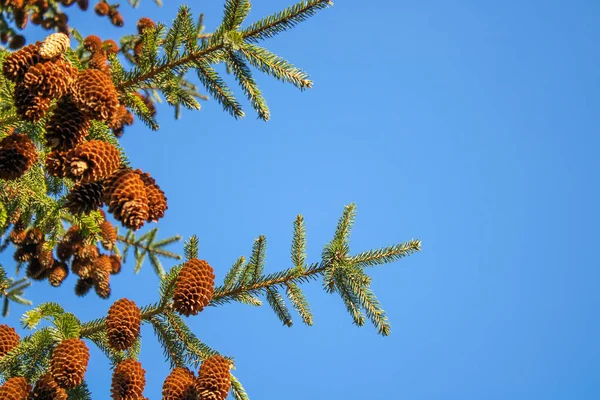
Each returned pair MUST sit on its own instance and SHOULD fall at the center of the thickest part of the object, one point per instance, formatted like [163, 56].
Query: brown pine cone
[83, 4]
[83, 286]
[108, 235]
[123, 324]
[15, 388]
[17, 63]
[121, 118]
[17, 155]
[101, 276]
[138, 49]
[69, 362]
[84, 261]
[30, 107]
[157, 201]
[21, 18]
[128, 381]
[67, 127]
[36, 18]
[115, 262]
[102, 8]
[110, 47]
[44, 257]
[58, 273]
[145, 23]
[179, 385]
[9, 339]
[50, 79]
[116, 18]
[56, 163]
[214, 379]
[85, 198]
[16, 42]
[194, 287]
[54, 45]
[125, 195]
[17, 235]
[24, 253]
[95, 94]
[36, 271]
[99, 62]
[46, 389]
[48, 23]
[92, 43]
[34, 237]
[93, 161]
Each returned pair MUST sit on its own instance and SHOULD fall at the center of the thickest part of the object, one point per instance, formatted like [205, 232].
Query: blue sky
[467, 124]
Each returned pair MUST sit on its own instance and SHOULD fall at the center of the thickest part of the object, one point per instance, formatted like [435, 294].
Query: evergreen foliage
[160, 61]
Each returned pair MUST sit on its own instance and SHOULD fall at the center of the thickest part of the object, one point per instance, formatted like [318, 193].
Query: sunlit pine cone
[110, 47]
[125, 195]
[179, 385]
[44, 257]
[101, 276]
[83, 286]
[58, 273]
[15, 388]
[95, 94]
[115, 262]
[122, 117]
[47, 389]
[194, 287]
[17, 155]
[67, 126]
[9, 339]
[17, 63]
[56, 163]
[214, 379]
[84, 261]
[145, 23]
[54, 45]
[93, 161]
[108, 235]
[18, 234]
[92, 43]
[99, 62]
[85, 198]
[51, 79]
[30, 107]
[123, 324]
[69, 362]
[128, 381]
[102, 8]
[157, 201]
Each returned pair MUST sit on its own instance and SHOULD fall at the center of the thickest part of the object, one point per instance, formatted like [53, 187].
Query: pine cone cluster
[179, 385]
[194, 287]
[157, 201]
[214, 379]
[47, 389]
[128, 381]
[17, 155]
[123, 324]
[31, 248]
[69, 362]
[67, 127]
[15, 388]
[9, 339]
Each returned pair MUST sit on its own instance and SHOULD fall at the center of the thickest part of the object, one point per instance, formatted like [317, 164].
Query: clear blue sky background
[470, 125]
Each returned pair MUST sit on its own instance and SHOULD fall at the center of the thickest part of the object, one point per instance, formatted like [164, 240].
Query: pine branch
[298, 253]
[279, 68]
[237, 390]
[299, 302]
[278, 305]
[386, 255]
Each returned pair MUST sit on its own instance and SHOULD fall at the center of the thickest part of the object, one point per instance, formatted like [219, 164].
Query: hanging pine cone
[122, 118]
[115, 17]
[101, 276]
[16, 42]
[95, 93]
[50, 79]
[85, 198]
[145, 23]
[15, 388]
[102, 8]
[84, 261]
[179, 385]
[123, 324]
[44, 257]
[83, 4]
[36, 18]
[125, 194]
[83, 286]
[110, 47]
[67, 127]
[30, 107]
[56, 163]
[128, 381]
[108, 235]
[69, 362]
[157, 202]
[71, 243]
[36, 271]
[214, 379]
[92, 43]
[34, 237]
[9, 339]
[18, 234]
[17, 155]
[194, 287]
[46, 389]
[99, 62]
[115, 262]
[21, 18]
[93, 161]
[58, 273]
[16, 64]
[54, 45]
